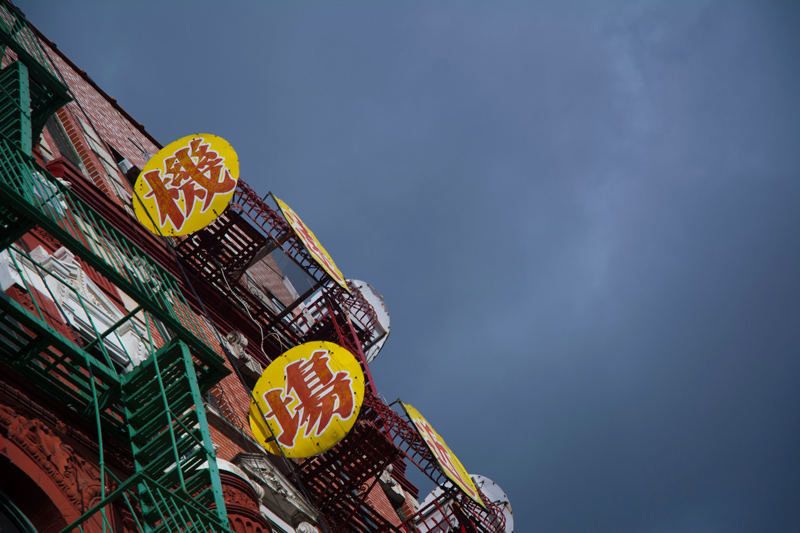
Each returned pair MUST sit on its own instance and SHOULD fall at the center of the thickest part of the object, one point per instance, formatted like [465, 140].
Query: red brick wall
[227, 449]
[47, 309]
[110, 123]
[266, 273]
[378, 500]
[409, 507]
[71, 122]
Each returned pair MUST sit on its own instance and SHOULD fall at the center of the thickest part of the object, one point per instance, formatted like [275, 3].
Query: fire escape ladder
[172, 450]
[347, 335]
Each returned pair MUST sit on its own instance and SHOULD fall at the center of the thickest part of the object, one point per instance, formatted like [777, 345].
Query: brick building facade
[124, 393]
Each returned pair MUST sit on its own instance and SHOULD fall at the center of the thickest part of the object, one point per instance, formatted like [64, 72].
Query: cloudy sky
[584, 218]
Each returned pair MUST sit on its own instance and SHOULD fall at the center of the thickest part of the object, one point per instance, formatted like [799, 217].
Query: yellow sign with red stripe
[186, 185]
[311, 243]
[447, 460]
[307, 399]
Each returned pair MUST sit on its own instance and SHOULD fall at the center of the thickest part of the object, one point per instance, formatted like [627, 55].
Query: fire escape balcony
[339, 480]
[45, 93]
[74, 346]
[453, 505]
[83, 364]
[246, 237]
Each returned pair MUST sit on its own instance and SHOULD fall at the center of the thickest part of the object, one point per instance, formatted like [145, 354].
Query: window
[63, 144]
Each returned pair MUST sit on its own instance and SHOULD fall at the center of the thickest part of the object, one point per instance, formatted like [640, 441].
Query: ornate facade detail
[46, 238]
[305, 527]
[237, 344]
[79, 303]
[237, 497]
[284, 499]
[241, 503]
[391, 487]
[78, 479]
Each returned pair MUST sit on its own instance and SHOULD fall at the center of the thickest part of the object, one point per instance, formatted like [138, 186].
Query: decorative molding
[284, 498]
[237, 491]
[66, 425]
[82, 301]
[46, 238]
[235, 497]
[241, 503]
[237, 344]
[78, 479]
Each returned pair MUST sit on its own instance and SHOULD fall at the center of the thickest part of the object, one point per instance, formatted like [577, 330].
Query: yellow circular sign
[186, 185]
[307, 399]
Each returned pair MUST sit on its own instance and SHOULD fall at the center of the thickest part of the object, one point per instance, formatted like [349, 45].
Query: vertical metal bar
[213, 469]
[170, 421]
[98, 421]
[27, 287]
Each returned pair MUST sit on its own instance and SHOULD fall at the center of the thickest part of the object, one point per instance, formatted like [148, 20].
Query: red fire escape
[249, 231]
[338, 480]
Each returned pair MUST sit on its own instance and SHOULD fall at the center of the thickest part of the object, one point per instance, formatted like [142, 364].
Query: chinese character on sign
[310, 240]
[312, 244]
[195, 174]
[450, 464]
[312, 395]
[438, 448]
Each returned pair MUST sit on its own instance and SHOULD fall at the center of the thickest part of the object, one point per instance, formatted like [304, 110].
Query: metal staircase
[172, 448]
[156, 407]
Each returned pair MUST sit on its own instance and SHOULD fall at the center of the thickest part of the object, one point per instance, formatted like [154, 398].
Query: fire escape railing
[408, 440]
[155, 407]
[249, 229]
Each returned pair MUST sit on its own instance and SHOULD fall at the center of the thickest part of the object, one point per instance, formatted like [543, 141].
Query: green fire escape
[155, 407]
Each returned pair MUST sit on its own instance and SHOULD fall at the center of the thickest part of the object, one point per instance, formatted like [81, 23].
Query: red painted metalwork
[334, 478]
[221, 253]
[408, 440]
[249, 229]
[359, 307]
[348, 338]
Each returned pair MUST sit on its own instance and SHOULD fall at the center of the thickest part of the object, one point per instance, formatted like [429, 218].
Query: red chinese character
[438, 448]
[444, 456]
[194, 171]
[312, 244]
[319, 392]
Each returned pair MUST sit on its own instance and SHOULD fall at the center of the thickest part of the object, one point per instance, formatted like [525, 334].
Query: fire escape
[155, 408]
[338, 480]
[220, 256]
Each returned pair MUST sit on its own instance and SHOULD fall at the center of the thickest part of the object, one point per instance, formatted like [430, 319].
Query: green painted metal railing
[46, 92]
[156, 407]
[49, 357]
[16, 33]
[31, 196]
[176, 484]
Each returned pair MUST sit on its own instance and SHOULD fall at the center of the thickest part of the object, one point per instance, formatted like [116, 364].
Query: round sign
[186, 185]
[307, 399]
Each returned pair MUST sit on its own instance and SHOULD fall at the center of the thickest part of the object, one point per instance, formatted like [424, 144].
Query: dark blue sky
[584, 217]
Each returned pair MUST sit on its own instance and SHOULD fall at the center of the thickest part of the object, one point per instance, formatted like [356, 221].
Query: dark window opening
[130, 170]
[63, 144]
